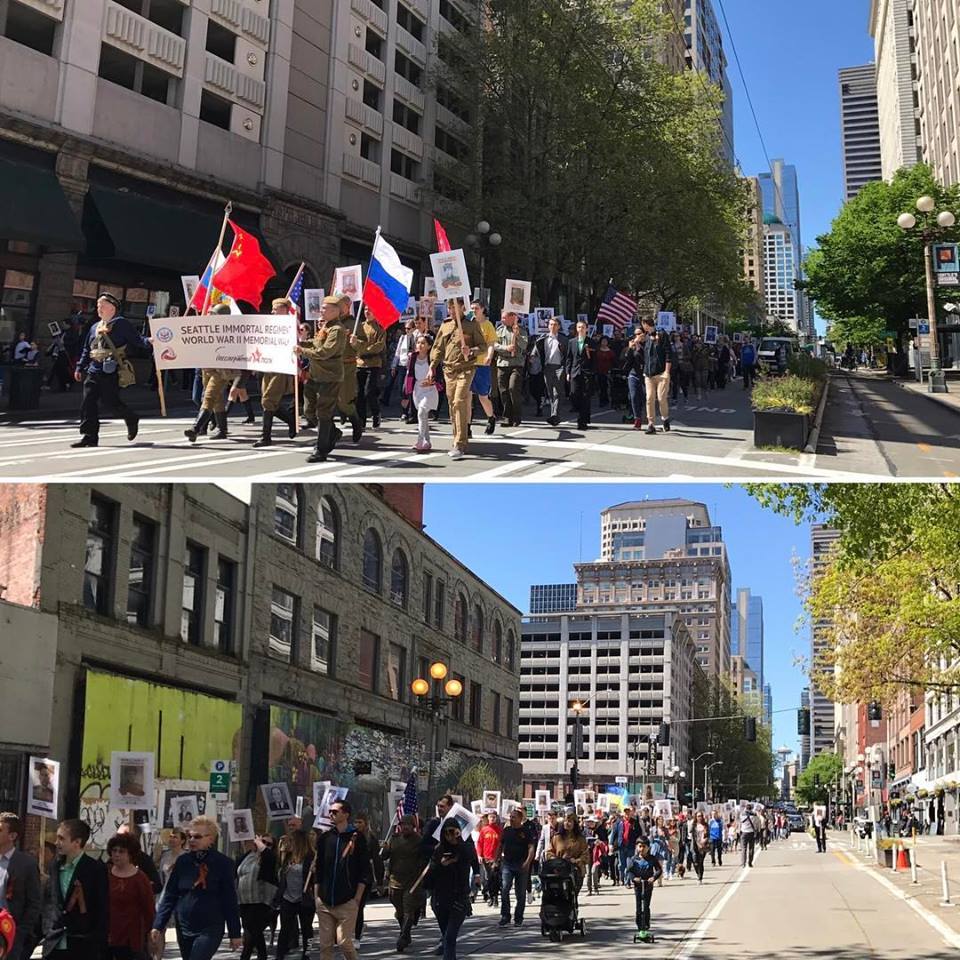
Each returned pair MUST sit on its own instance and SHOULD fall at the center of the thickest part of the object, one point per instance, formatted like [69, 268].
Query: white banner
[220, 342]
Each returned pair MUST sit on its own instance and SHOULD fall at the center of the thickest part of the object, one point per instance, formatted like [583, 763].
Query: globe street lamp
[482, 237]
[433, 703]
[933, 227]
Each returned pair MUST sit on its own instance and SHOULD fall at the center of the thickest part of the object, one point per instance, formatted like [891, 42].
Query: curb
[814, 439]
[935, 397]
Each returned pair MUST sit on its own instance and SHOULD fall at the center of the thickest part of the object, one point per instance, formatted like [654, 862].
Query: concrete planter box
[778, 428]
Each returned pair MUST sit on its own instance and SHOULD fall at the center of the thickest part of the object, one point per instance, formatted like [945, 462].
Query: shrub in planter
[788, 394]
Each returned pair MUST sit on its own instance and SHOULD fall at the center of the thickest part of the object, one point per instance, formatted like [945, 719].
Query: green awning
[125, 225]
[33, 207]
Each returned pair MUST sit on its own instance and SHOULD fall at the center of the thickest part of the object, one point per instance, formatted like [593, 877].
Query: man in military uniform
[274, 387]
[325, 354]
[458, 354]
[213, 405]
[370, 343]
[346, 402]
[511, 351]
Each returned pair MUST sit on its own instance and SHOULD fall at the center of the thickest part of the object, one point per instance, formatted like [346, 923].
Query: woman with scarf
[448, 875]
[202, 892]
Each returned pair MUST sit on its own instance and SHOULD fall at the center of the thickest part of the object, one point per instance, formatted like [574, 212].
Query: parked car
[774, 353]
[796, 822]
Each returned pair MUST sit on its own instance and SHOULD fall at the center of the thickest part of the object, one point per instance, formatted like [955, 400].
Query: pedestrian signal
[750, 729]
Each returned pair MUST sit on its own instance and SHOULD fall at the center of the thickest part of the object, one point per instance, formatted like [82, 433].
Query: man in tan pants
[657, 361]
[458, 355]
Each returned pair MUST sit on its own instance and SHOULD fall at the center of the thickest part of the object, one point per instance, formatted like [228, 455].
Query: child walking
[425, 399]
[645, 870]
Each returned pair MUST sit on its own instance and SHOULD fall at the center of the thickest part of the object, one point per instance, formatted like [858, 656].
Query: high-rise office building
[822, 715]
[665, 554]
[753, 239]
[704, 43]
[746, 630]
[632, 670]
[859, 128]
[767, 717]
[804, 737]
[936, 24]
[552, 598]
[894, 40]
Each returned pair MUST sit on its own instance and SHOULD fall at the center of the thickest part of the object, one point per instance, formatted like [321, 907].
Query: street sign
[219, 776]
[923, 327]
[621, 780]
[946, 258]
[913, 323]
[948, 279]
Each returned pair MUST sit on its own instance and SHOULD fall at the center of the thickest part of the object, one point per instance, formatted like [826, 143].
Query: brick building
[279, 629]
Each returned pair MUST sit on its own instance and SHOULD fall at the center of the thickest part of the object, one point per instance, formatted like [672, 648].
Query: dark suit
[82, 914]
[24, 901]
[579, 365]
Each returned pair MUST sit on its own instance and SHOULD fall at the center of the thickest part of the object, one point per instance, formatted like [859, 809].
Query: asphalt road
[794, 904]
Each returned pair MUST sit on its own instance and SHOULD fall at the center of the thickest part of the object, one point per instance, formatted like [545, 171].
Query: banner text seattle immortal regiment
[320, 354]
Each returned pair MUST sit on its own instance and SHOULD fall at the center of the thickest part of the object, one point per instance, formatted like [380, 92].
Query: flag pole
[296, 375]
[227, 210]
[356, 322]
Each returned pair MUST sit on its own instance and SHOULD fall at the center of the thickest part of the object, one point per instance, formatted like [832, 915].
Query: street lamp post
[483, 236]
[706, 770]
[577, 707]
[932, 228]
[432, 702]
[693, 774]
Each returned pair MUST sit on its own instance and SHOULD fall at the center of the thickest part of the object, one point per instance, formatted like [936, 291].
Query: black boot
[287, 417]
[191, 433]
[221, 419]
[248, 406]
[266, 436]
[323, 445]
[491, 425]
[357, 425]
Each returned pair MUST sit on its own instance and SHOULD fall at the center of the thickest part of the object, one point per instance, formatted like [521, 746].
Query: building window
[511, 651]
[460, 618]
[457, 707]
[224, 607]
[127, 71]
[406, 116]
[399, 576]
[427, 596]
[191, 614]
[368, 660]
[27, 26]
[403, 66]
[215, 110]
[410, 22]
[221, 42]
[508, 720]
[286, 514]
[440, 607]
[497, 642]
[476, 624]
[496, 713]
[372, 561]
[476, 704]
[396, 672]
[404, 166]
[282, 617]
[324, 639]
[140, 581]
[328, 533]
[98, 566]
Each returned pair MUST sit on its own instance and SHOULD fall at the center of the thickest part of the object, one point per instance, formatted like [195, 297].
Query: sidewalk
[950, 400]
[928, 891]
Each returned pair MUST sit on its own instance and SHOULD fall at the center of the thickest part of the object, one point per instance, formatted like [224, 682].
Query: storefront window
[16, 297]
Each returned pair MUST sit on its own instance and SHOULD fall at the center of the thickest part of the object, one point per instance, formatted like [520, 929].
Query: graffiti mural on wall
[183, 730]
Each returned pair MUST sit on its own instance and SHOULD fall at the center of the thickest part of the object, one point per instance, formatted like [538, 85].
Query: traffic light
[577, 752]
[891, 770]
[874, 712]
[803, 722]
[665, 734]
[750, 729]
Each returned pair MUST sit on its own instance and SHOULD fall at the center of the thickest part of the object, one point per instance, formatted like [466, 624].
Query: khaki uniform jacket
[506, 337]
[325, 353]
[374, 343]
[446, 348]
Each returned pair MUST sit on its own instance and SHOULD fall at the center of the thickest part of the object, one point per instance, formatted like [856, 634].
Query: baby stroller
[558, 907]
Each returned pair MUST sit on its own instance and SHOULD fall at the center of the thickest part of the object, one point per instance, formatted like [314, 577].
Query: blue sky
[513, 535]
[790, 51]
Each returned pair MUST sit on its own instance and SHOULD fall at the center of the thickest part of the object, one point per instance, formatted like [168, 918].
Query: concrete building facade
[280, 631]
[753, 242]
[894, 40]
[316, 119]
[780, 270]
[633, 670]
[704, 45]
[859, 128]
[822, 718]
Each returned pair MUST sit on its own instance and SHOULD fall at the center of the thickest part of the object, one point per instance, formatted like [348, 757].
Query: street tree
[813, 784]
[866, 275]
[886, 603]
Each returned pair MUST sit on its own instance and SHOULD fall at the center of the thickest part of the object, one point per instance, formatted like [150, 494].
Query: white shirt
[551, 351]
[402, 354]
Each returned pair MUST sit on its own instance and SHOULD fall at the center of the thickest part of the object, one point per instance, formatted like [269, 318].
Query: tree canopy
[867, 275]
[886, 603]
[813, 783]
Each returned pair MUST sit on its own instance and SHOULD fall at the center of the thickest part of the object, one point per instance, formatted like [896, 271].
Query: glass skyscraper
[746, 631]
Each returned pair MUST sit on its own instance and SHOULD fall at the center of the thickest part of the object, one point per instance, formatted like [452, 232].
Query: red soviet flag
[246, 271]
[443, 244]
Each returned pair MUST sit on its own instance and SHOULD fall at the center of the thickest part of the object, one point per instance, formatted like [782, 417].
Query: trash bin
[24, 390]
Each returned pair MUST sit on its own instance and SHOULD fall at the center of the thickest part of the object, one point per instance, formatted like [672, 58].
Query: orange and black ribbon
[77, 899]
[201, 882]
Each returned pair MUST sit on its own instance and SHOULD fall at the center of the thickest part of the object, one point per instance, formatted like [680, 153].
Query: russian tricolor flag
[387, 288]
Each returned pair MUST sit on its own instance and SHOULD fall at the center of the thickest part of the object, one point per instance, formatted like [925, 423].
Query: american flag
[409, 802]
[295, 294]
[617, 308]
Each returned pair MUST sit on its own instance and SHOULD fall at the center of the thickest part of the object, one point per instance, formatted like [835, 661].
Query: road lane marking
[173, 464]
[693, 941]
[512, 467]
[950, 936]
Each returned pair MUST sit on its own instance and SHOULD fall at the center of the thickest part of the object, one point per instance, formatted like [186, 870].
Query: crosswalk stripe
[173, 464]
[505, 468]
[553, 471]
